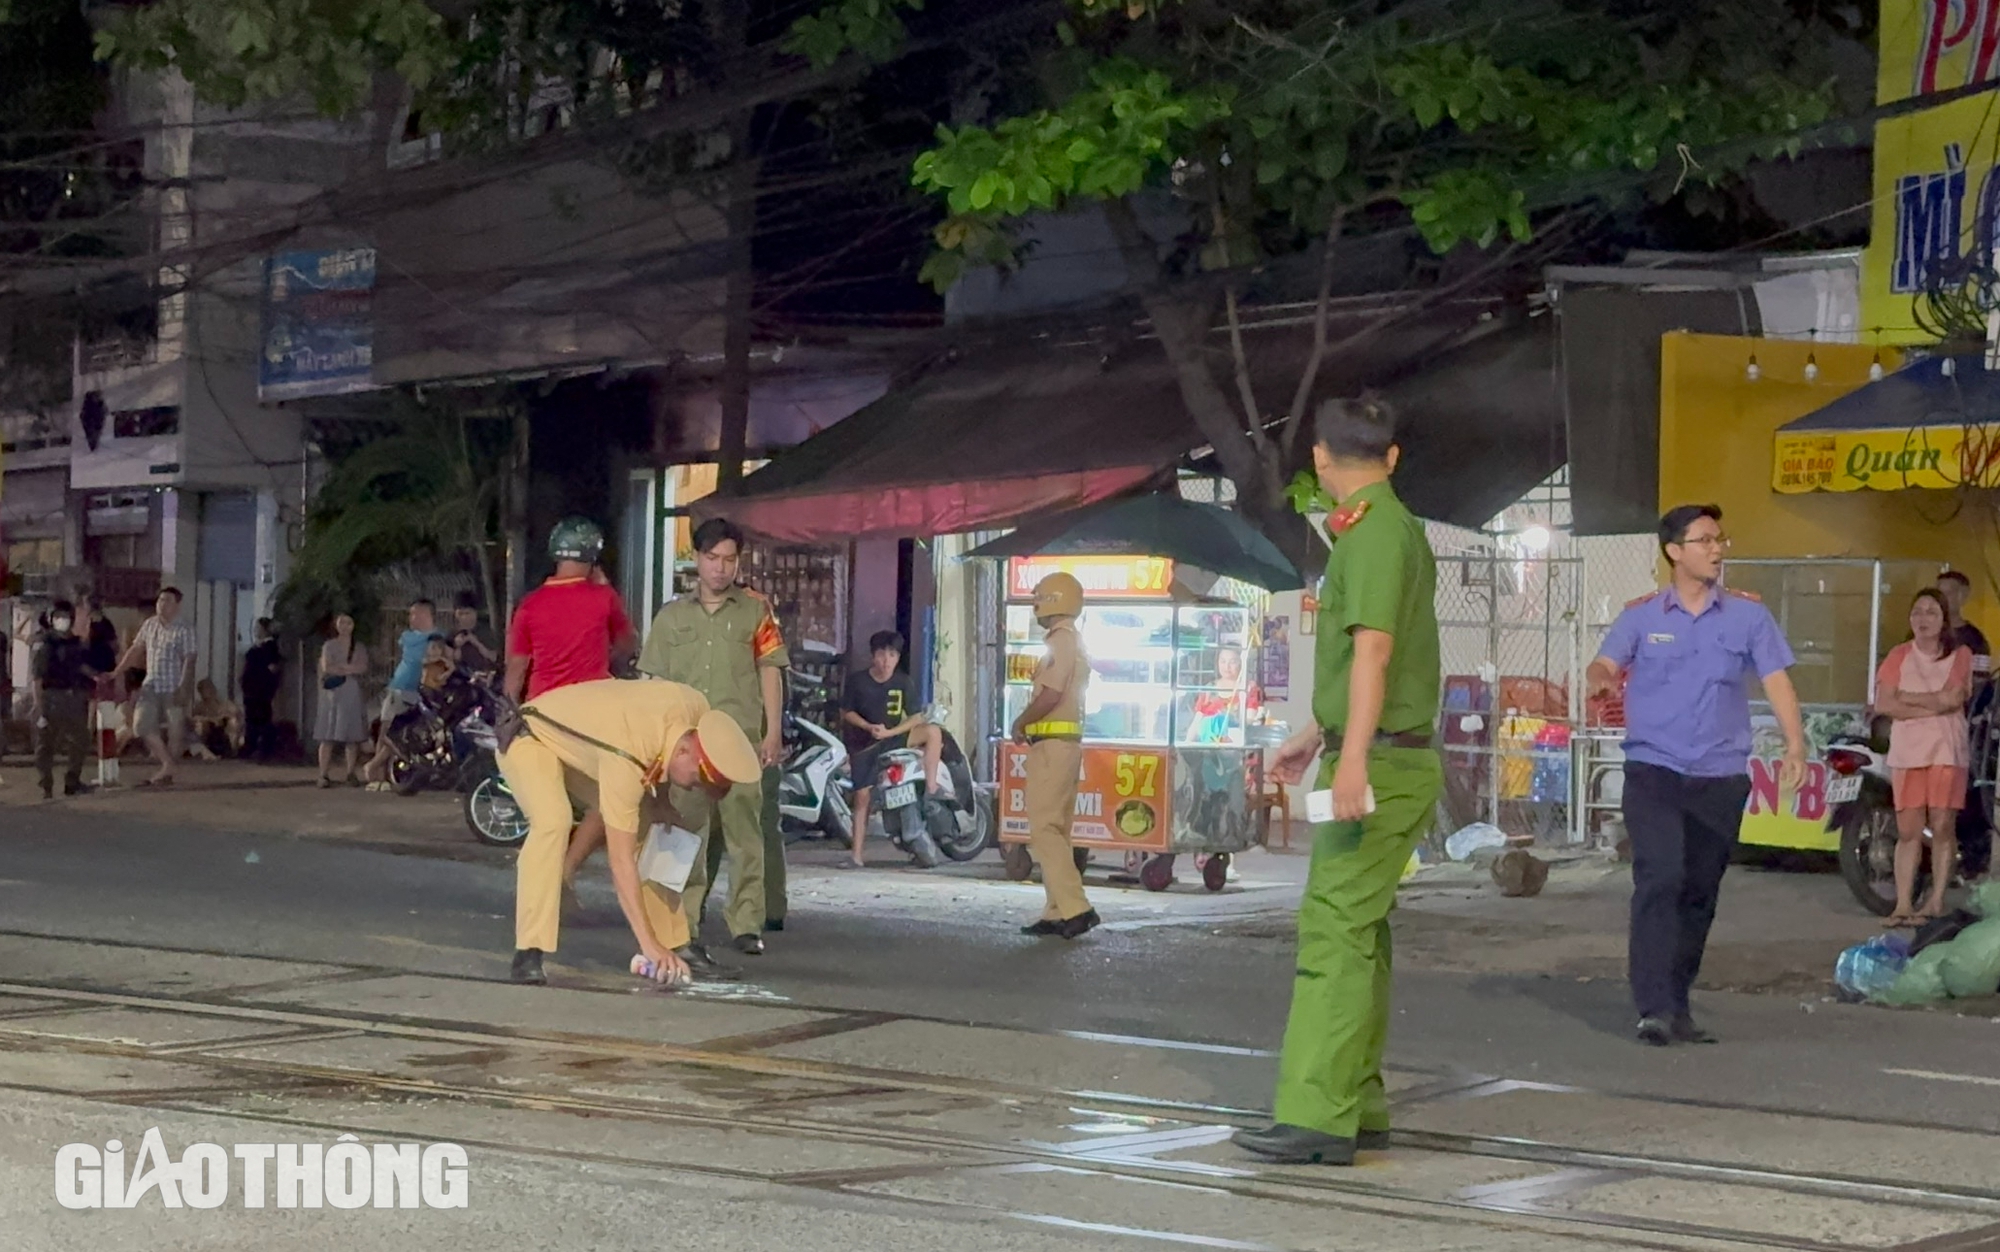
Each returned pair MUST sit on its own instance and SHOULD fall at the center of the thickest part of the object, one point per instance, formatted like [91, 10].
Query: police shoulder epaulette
[1636, 601]
[1751, 596]
[1344, 518]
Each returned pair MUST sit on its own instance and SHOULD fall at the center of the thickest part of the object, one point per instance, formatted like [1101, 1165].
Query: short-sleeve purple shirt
[1687, 700]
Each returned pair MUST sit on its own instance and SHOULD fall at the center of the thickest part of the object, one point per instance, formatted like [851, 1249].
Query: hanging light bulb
[1950, 367]
[1812, 367]
[1753, 371]
[1875, 370]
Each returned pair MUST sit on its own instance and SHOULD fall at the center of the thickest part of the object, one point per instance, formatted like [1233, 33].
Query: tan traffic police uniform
[1055, 761]
[553, 764]
[722, 654]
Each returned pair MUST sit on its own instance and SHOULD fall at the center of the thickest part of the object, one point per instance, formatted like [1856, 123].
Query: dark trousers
[1682, 830]
[260, 737]
[68, 734]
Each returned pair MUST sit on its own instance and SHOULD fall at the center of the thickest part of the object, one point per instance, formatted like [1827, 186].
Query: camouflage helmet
[577, 539]
[1058, 595]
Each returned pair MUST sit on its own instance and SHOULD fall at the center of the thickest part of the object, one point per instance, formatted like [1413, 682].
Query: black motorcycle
[446, 740]
[954, 820]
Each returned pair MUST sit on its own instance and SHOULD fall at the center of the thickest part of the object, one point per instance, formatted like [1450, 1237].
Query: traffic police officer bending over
[1689, 652]
[610, 745]
[1375, 705]
[1052, 727]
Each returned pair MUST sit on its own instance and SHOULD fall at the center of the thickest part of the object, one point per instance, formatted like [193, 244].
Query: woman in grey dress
[342, 718]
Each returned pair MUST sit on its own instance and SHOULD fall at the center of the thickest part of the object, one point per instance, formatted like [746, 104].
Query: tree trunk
[732, 442]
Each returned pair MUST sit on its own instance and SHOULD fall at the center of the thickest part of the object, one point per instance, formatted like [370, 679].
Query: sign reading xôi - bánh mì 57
[1123, 798]
[1935, 457]
[1103, 577]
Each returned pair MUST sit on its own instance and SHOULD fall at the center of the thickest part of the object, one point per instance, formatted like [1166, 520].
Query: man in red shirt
[569, 630]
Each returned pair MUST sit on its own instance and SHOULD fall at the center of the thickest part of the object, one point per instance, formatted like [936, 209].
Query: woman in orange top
[1924, 687]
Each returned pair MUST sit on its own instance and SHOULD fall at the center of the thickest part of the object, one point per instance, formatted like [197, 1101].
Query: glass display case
[1159, 674]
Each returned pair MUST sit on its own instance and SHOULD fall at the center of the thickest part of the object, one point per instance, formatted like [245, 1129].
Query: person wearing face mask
[63, 680]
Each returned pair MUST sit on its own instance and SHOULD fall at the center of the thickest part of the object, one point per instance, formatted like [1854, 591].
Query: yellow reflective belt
[1048, 730]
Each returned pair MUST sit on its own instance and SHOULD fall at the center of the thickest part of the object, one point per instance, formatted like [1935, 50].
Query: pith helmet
[725, 752]
[1058, 595]
[576, 539]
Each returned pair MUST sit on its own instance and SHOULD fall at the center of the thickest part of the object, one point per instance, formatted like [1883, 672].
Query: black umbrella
[1201, 535]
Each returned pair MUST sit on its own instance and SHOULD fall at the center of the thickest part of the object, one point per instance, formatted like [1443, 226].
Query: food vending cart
[1172, 762]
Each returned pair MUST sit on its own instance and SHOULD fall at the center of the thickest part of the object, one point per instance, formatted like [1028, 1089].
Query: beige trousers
[1053, 769]
[546, 789]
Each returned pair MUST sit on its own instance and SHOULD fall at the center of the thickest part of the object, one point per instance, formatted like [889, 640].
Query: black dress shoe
[1366, 1140]
[1080, 925]
[1043, 929]
[774, 923]
[1685, 1031]
[1296, 1145]
[749, 945]
[702, 965]
[76, 787]
[528, 968]
[1655, 1032]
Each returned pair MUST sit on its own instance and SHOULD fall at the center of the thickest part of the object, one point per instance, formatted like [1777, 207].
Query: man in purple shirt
[1689, 653]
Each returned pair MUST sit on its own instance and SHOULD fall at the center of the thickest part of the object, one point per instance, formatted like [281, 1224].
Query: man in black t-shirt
[878, 714]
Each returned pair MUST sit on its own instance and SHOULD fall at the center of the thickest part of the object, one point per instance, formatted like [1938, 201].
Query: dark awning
[1941, 391]
[986, 441]
[1932, 425]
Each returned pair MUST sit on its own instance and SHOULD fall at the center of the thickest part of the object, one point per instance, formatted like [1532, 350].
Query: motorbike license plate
[897, 797]
[1843, 789]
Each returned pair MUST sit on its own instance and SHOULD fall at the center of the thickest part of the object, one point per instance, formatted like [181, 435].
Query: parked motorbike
[954, 820]
[815, 795]
[446, 740]
[1863, 809]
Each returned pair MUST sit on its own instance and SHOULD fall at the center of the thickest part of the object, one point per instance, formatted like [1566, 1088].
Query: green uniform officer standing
[1375, 702]
[724, 642]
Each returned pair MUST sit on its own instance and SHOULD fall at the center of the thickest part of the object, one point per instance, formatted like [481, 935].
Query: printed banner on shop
[1935, 457]
[1103, 577]
[319, 327]
[1122, 796]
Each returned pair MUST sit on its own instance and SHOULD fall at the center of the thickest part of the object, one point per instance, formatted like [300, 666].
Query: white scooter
[815, 797]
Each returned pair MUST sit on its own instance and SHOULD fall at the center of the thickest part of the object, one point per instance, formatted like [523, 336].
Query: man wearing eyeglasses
[1688, 653]
[615, 746]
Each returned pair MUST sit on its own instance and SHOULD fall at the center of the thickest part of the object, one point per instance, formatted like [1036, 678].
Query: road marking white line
[1977, 1080]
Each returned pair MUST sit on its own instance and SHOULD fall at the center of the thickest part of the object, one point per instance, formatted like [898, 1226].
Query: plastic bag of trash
[1964, 966]
[1868, 969]
[1469, 839]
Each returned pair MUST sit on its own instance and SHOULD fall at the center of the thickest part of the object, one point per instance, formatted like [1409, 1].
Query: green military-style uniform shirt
[1380, 576]
[719, 654]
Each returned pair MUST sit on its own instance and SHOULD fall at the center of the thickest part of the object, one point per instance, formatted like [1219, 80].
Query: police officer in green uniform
[1375, 702]
[723, 641]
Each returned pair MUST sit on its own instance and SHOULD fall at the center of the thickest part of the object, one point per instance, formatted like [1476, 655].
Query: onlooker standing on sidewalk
[99, 636]
[1375, 705]
[1956, 589]
[1691, 651]
[166, 646]
[406, 684]
[342, 718]
[472, 644]
[60, 712]
[1924, 685]
[263, 674]
[724, 642]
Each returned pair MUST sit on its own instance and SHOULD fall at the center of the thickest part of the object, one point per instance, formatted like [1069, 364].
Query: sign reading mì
[1123, 798]
[1103, 577]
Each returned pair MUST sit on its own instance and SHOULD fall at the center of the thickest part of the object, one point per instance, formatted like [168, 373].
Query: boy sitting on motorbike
[876, 716]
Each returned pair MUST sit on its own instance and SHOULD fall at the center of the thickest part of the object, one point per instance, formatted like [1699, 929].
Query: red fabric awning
[972, 446]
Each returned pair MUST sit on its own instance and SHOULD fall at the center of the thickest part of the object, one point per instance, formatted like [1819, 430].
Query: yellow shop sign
[1937, 457]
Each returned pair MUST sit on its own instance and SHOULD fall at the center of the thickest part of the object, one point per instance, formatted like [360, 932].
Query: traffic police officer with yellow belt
[611, 745]
[724, 642]
[1375, 702]
[1052, 727]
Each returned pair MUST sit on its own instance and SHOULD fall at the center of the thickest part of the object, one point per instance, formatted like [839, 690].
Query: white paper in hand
[1319, 806]
[668, 857]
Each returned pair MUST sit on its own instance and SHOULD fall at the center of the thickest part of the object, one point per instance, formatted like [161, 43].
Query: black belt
[1034, 739]
[1394, 738]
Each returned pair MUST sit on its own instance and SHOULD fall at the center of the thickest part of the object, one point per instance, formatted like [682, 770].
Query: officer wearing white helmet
[1052, 727]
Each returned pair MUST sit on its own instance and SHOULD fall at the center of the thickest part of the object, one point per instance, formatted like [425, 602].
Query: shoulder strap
[529, 710]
